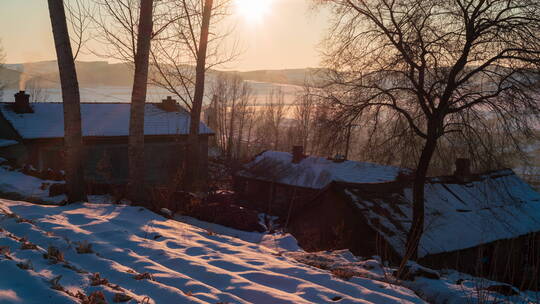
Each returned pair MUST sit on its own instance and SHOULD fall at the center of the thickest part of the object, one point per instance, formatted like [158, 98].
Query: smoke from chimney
[23, 78]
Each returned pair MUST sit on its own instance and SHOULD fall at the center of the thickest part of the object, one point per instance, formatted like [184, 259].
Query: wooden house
[486, 225]
[35, 134]
[279, 183]
[483, 224]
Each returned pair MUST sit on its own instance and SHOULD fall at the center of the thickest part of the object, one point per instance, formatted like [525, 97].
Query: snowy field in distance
[261, 90]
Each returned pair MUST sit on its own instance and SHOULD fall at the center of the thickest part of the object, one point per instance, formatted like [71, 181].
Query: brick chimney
[169, 105]
[298, 154]
[22, 103]
[463, 167]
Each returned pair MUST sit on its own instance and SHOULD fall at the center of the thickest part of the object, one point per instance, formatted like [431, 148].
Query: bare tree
[234, 91]
[182, 57]
[326, 134]
[126, 28]
[192, 177]
[219, 112]
[429, 71]
[35, 89]
[115, 26]
[245, 111]
[232, 104]
[275, 109]
[175, 52]
[304, 111]
[138, 100]
[79, 17]
[71, 100]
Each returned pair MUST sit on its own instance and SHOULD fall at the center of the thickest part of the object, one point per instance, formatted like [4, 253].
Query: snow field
[187, 264]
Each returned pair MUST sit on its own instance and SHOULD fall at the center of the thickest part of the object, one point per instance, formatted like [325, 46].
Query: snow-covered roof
[7, 142]
[315, 172]
[492, 207]
[98, 119]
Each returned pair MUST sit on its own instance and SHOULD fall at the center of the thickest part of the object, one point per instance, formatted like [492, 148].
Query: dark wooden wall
[106, 159]
[330, 222]
[515, 261]
[273, 198]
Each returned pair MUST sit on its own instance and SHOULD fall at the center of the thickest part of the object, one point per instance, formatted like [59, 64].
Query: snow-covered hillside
[151, 259]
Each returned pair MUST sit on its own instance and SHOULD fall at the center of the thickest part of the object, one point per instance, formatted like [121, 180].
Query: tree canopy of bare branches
[79, 15]
[115, 24]
[231, 114]
[177, 49]
[424, 72]
[185, 45]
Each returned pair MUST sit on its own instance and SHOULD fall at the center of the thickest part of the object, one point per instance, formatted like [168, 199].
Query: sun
[253, 11]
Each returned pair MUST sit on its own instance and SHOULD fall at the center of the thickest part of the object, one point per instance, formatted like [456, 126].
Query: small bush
[23, 220]
[26, 265]
[96, 279]
[5, 250]
[55, 283]
[121, 297]
[11, 215]
[144, 276]
[84, 248]
[26, 245]
[54, 255]
[96, 297]
[343, 274]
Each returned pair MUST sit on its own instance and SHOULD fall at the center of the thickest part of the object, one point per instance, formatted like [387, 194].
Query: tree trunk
[138, 99]
[192, 176]
[231, 131]
[73, 144]
[240, 134]
[417, 225]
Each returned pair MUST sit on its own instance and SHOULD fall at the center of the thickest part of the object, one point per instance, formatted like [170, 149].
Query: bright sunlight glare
[253, 11]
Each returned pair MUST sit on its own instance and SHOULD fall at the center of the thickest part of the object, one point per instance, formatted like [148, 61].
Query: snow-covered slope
[14, 181]
[186, 264]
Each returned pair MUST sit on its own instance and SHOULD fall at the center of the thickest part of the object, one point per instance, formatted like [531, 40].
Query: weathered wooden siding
[273, 198]
[106, 159]
[515, 261]
[330, 223]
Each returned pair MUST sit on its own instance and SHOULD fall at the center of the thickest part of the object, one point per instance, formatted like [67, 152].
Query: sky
[273, 34]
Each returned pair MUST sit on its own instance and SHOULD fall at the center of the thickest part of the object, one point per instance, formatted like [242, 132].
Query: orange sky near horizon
[279, 34]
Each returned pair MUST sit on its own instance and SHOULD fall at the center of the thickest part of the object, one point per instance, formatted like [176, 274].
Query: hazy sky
[275, 34]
